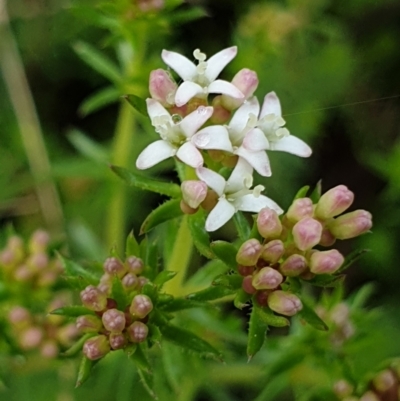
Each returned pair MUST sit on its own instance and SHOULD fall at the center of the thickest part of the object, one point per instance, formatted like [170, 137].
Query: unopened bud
[162, 87]
[93, 298]
[220, 114]
[117, 340]
[194, 192]
[135, 265]
[326, 262]
[273, 251]
[340, 314]
[384, 380]
[137, 332]
[67, 334]
[88, 324]
[247, 285]
[327, 239]
[351, 225]
[342, 388]
[141, 306]
[130, 281]
[39, 241]
[267, 279]
[249, 252]
[19, 316]
[113, 320]
[143, 281]
[31, 338]
[334, 202]
[96, 347]
[38, 261]
[268, 223]
[23, 273]
[49, 349]
[114, 266]
[210, 201]
[307, 233]
[299, 209]
[369, 396]
[284, 303]
[293, 266]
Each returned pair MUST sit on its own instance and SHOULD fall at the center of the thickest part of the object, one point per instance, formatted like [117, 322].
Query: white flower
[175, 136]
[200, 80]
[234, 194]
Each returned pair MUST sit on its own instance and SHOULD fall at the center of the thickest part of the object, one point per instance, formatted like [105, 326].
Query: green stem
[180, 258]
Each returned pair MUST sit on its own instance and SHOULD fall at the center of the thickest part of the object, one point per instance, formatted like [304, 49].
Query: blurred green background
[334, 64]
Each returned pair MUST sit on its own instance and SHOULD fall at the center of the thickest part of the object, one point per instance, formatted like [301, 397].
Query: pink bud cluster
[30, 264]
[113, 328]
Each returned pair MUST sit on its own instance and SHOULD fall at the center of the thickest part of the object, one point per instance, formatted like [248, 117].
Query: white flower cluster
[234, 130]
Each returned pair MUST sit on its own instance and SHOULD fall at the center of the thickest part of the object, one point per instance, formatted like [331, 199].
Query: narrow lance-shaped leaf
[327, 280]
[147, 183]
[226, 252]
[352, 258]
[118, 293]
[137, 103]
[140, 359]
[242, 226]
[257, 331]
[132, 247]
[242, 299]
[77, 346]
[308, 314]
[316, 193]
[87, 147]
[200, 236]
[166, 211]
[85, 368]
[302, 192]
[147, 381]
[163, 277]
[271, 319]
[232, 281]
[150, 258]
[98, 100]
[72, 311]
[178, 304]
[74, 270]
[211, 294]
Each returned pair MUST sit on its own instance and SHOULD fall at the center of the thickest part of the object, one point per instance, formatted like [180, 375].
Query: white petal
[222, 212]
[193, 121]
[218, 61]
[180, 64]
[212, 179]
[240, 118]
[190, 155]
[271, 105]
[155, 153]
[226, 88]
[241, 174]
[186, 91]
[258, 160]
[156, 109]
[213, 137]
[292, 144]
[251, 203]
[255, 140]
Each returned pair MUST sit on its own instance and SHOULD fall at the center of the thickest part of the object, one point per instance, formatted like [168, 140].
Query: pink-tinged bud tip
[307, 233]
[88, 324]
[267, 279]
[249, 252]
[194, 192]
[284, 303]
[113, 320]
[141, 306]
[162, 87]
[299, 209]
[96, 347]
[135, 265]
[130, 281]
[268, 223]
[117, 340]
[273, 251]
[326, 262]
[93, 298]
[114, 266]
[334, 202]
[137, 332]
[351, 225]
[293, 266]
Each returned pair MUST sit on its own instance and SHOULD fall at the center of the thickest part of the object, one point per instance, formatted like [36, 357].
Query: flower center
[272, 126]
[169, 130]
[201, 68]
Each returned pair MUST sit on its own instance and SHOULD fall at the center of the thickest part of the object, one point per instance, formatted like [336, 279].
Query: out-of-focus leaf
[166, 211]
[211, 294]
[200, 236]
[242, 226]
[362, 295]
[72, 311]
[74, 270]
[257, 331]
[204, 276]
[137, 103]
[308, 314]
[85, 368]
[98, 100]
[186, 339]
[351, 258]
[163, 277]
[178, 304]
[98, 61]
[327, 280]
[226, 252]
[147, 183]
[302, 192]
[88, 147]
[182, 17]
[232, 281]
[147, 381]
[118, 293]
[132, 247]
[77, 346]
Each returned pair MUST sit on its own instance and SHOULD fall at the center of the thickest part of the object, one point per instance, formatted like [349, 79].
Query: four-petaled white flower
[234, 194]
[175, 136]
[201, 79]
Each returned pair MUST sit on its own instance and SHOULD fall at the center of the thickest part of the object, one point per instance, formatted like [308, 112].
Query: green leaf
[200, 236]
[232, 281]
[118, 293]
[98, 100]
[147, 183]
[254, 233]
[205, 276]
[72, 269]
[351, 258]
[316, 193]
[72, 311]
[308, 314]
[147, 381]
[186, 339]
[242, 226]
[257, 331]
[302, 192]
[226, 252]
[85, 368]
[87, 147]
[271, 319]
[166, 211]
[210, 294]
[98, 61]
[132, 247]
[242, 299]
[137, 103]
[184, 16]
[163, 277]
[77, 346]
[178, 304]
[327, 280]
[150, 258]
[139, 358]
[150, 290]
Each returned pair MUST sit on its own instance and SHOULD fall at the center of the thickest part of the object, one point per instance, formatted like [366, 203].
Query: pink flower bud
[327, 239]
[114, 267]
[273, 251]
[96, 347]
[137, 332]
[284, 303]
[351, 225]
[38, 261]
[93, 298]
[293, 266]
[135, 265]
[113, 320]
[130, 281]
[334, 202]
[299, 209]
[142, 281]
[249, 252]
[88, 324]
[117, 340]
[67, 334]
[342, 388]
[162, 87]
[23, 274]
[19, 316]
[141, 306]
[194, 192]
[220, 114]
[31, 338]
[384, 380]
[369, 396]
[248, 286]
[307, 233]
[267, 279]
[326, 262]
[268, 223]
[49, 349]
[340, 314]
[39, 241]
